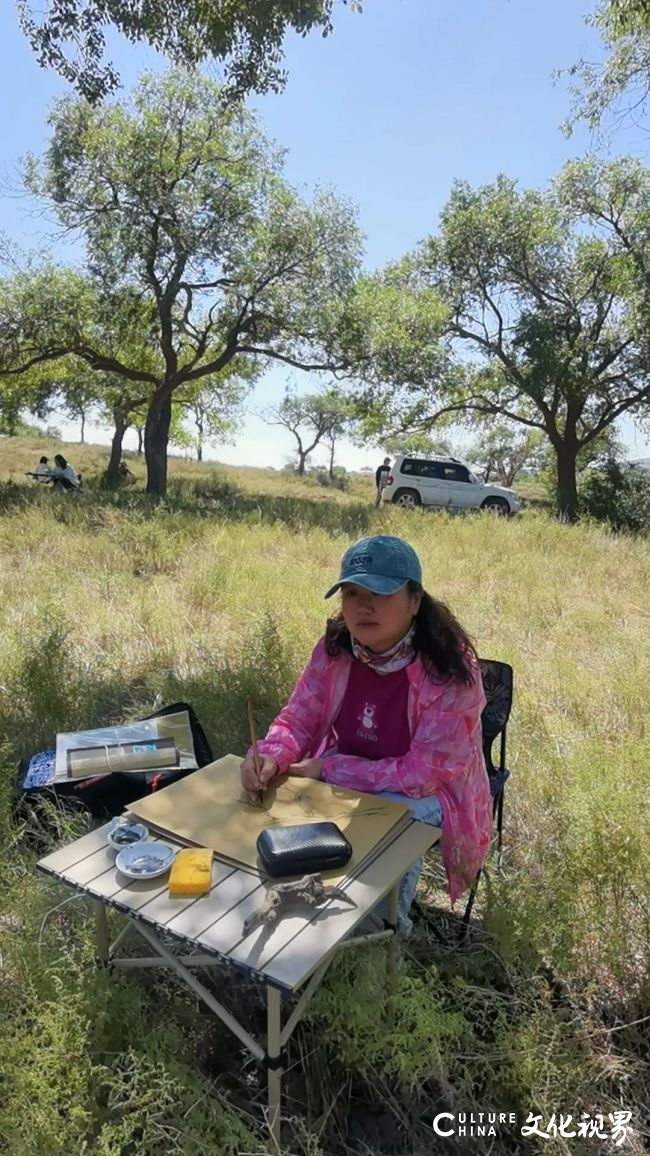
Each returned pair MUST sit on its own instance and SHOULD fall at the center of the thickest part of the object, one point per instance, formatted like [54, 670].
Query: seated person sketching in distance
[390, 703]
[64, 475]
[43, 473]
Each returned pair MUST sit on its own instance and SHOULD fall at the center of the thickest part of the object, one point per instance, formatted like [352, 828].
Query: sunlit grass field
[112, 605]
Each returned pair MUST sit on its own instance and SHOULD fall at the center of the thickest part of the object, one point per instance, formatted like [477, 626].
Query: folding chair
[497, 683]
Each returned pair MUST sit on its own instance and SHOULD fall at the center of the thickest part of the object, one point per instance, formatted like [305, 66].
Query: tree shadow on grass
[214, 497]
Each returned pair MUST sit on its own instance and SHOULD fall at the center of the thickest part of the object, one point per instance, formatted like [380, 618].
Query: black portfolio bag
[109, 795]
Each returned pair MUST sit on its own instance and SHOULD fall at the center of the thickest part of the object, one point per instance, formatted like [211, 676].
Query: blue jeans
[427, 810]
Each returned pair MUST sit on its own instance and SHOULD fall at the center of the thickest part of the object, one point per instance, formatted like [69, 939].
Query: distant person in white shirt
[43, 472]
[64, 475]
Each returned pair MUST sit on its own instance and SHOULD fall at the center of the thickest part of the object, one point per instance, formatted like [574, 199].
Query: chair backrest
[497, 683]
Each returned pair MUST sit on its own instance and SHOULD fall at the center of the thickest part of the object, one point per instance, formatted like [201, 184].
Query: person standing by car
[381, 477]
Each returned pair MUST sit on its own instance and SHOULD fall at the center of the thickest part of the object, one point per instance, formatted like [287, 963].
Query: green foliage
[617, 494]
[312, 419]
[207, 261]
[623, 16]
[503, 452]
[405, 1035]
[618, 86]
[614, 198]
[393, 330]
[548, 308]
[247, 34]
[16, 426]
[418, 444]
[93, 1065]
[63, 333]
[214, 409]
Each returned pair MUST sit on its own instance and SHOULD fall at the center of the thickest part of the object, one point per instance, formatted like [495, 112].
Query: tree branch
[309, 367]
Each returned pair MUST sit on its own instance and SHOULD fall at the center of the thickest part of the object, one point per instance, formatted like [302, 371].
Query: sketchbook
[209, 809]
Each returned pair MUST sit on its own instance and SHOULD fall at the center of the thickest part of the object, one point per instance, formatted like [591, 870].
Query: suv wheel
[496, 506]
[407, 499]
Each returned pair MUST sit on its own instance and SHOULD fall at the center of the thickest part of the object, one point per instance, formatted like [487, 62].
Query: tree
[181, 205]
[618, 493]
[393, 335]
[32, 393]
[504, 451]
[418, 443]
[614, 198]
[627, 15]
[54, 322]
[248, 34]
[619, 86]
[123, 405]
[16, 426]
[311, 418]
[77, 389]
[214, 411]
[544, 317]
[336, 431]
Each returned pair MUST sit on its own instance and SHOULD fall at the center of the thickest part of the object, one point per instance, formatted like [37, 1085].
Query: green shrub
[618, 494]
[404, 1033]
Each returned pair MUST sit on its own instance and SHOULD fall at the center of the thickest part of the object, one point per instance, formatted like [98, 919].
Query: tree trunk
[199, 440]
[567, 490]
[140, 433]
[302, 458]
[332, 444]
[83, 427]
[156, 439]
[113, 467]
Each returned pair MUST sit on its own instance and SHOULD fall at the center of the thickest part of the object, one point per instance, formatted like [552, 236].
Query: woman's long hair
[439, 639]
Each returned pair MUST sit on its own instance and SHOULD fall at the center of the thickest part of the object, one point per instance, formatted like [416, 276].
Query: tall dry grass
[111, 604]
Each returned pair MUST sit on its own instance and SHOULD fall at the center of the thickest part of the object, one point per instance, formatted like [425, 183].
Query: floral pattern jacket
[445, 758]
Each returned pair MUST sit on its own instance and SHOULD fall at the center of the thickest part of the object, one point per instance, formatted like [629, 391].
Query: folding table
[195, 933]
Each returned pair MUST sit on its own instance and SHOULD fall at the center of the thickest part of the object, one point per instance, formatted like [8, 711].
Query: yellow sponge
[191, 872]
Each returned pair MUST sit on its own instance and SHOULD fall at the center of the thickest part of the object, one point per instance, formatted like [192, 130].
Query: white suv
[444, 483]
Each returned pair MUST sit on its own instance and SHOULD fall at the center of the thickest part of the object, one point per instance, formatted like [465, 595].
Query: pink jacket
[445, 758]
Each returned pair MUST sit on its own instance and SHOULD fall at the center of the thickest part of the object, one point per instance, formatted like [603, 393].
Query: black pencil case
[302, 850]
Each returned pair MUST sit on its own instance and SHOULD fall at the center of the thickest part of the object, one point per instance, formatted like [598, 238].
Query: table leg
[273, 1052]
[101, 932]
[393, 903]
[392, 959]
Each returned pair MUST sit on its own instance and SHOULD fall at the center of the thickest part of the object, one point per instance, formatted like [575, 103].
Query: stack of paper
[209, 809]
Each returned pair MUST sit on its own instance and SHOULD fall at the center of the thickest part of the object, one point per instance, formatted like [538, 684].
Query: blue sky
[392, 108]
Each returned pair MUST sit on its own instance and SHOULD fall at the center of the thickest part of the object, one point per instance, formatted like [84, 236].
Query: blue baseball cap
[382, 564]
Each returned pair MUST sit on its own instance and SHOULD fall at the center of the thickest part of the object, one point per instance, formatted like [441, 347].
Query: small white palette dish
[126, 833]
[145, 860]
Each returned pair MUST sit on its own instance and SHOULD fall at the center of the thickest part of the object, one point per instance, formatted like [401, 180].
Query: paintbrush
[259, 795]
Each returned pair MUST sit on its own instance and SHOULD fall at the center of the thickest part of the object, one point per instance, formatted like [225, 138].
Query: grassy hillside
[111, 605]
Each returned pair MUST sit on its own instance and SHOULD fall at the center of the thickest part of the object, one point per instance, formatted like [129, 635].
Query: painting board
[209, 809]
